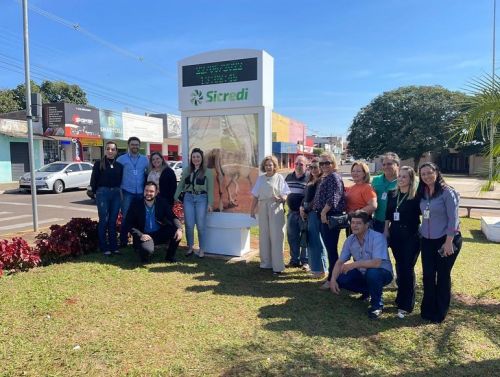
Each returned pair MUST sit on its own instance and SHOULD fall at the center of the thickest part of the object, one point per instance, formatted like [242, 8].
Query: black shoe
[365, 297]
[189, 253]
[374, 313]
[278, 273]
[170, 260]
[293, 265]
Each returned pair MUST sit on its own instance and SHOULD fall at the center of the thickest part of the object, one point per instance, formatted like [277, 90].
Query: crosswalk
[9, 223]
[17, 216]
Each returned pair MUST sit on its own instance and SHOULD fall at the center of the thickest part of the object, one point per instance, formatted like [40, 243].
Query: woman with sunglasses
[441, 240]
[105, 181]
[315, 247]
[197, 184]
[329, 200]
[163, 175]
[402, 219]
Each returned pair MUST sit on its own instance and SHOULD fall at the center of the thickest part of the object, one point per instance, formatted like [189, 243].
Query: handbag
[338, 221]
[183, 192]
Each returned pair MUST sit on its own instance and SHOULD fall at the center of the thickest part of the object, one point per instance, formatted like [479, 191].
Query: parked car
[59, 176]
[177, 167]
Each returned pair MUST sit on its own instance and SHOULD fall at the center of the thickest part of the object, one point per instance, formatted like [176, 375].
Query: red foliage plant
[17, 255]
[77, 237]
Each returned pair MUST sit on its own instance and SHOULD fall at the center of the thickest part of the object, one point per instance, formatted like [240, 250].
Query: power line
[119, 50]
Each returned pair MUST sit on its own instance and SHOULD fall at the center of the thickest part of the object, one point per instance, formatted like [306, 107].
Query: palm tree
[481, 122]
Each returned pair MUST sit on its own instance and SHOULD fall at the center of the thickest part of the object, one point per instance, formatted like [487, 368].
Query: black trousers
[164, 236]
[437, 278]
[405, 245]
[330, 239]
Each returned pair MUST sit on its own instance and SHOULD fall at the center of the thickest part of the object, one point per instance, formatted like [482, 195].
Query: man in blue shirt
[371, 269]
[152, 222]
[135, 169]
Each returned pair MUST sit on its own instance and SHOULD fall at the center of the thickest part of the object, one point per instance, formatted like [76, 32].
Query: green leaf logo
[197, 97]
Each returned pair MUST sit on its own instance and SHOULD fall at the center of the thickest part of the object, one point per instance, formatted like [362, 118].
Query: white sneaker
[402, 313]
[325, 286]
[200, 253]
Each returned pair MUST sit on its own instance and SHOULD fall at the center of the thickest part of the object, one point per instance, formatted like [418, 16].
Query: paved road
[16, 213]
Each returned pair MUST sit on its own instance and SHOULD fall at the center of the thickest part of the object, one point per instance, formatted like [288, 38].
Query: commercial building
[70, 132]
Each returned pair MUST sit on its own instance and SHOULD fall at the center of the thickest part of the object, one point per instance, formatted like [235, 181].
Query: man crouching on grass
[371, 269]
[153, 222]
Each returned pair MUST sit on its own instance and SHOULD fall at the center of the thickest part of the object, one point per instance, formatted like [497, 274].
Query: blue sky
[332, 57]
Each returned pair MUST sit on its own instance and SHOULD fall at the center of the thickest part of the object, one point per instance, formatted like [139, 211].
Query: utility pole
[29, 120]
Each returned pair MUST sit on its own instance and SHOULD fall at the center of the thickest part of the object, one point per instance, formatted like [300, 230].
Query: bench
[469, 207]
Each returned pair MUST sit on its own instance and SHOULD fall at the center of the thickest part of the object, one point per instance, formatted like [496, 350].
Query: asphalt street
[16, 213]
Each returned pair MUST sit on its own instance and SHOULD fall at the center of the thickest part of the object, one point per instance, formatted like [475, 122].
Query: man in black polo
[152, 222]
[297, 183]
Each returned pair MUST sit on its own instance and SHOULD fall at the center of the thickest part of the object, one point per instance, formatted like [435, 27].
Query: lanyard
[132, 162]
[399, 202]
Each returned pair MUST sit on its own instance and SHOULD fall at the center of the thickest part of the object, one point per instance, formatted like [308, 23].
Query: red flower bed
[17, 255]
[77, 237]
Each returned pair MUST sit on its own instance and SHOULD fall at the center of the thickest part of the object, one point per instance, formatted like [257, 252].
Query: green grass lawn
[217, 318]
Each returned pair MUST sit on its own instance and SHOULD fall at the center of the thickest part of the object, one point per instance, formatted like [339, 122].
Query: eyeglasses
[313, 166]
[325, 163]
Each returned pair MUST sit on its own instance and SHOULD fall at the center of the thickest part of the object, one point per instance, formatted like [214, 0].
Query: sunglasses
[325, 163]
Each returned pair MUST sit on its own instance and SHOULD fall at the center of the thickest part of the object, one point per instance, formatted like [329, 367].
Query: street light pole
[28, 114]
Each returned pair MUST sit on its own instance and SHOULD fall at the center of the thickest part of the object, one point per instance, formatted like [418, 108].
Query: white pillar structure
[226, 99]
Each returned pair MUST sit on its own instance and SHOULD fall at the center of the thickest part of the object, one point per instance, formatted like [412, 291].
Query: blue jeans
[127, 199]
[195, 213]
[371, 283]
[331, 240]
[108, 206]
[297, 254]
[315, 247]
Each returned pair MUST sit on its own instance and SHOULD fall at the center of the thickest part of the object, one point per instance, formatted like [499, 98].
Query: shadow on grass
[477, 236]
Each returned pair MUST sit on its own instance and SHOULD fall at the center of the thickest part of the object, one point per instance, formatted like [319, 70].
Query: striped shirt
[297, 187]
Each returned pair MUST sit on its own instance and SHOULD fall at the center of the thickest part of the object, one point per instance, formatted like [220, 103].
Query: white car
[59, 176]
[177, 168]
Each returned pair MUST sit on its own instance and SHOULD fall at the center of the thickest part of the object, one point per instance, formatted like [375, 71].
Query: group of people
[145, 191]
[394, 209]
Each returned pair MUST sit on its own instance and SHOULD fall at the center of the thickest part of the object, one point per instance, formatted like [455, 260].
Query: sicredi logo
[197, 96]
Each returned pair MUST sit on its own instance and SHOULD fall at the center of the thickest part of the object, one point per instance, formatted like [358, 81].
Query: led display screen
[219, 72]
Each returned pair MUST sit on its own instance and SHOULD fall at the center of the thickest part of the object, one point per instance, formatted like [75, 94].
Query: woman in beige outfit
[269, 193]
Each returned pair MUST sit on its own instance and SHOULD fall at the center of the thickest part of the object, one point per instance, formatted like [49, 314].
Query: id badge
[427, 214]
[396, 216]
[134, 172]
[384, 196]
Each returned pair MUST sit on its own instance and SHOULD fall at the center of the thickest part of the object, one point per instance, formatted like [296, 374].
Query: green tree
[60, 91]
[409, 121]
[20, 94]
[480, 124]
[51, 91]
[8, 102]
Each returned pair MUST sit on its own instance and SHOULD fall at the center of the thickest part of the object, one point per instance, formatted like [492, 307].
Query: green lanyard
[398, 202]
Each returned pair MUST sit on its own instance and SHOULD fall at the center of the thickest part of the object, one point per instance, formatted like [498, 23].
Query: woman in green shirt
[197, 184]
